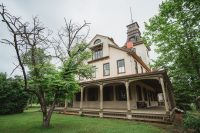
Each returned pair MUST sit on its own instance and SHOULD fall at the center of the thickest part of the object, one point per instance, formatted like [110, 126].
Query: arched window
[97, 41]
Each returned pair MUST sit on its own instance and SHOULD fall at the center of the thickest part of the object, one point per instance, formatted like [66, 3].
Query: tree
[12, 97]
[175, 33]
[43, 79]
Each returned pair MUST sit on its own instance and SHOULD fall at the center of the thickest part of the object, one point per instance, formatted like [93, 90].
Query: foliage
[192, 121]
[12, 97]
[175, 34]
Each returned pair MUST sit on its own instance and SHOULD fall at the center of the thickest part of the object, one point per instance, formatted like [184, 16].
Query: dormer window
[96, 42]
[97, 53]
[97, 50]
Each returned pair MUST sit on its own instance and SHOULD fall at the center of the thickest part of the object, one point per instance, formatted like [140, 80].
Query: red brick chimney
[129, 45]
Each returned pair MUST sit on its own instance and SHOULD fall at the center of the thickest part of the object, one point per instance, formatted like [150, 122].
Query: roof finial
[131, 15]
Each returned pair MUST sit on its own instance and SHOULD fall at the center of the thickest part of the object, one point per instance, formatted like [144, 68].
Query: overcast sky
[107, 17]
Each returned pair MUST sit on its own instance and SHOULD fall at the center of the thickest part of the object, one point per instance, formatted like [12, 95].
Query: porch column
[65, 108]
[164, 94]
[65, 103]
[129, 116]
[171, 97]
[114, 93]
[81, 102]
[101, 100]
[142, 93]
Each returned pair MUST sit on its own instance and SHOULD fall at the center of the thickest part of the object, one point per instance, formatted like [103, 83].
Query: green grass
[30, 122]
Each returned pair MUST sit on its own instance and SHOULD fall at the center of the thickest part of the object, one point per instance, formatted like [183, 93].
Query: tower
[133, 33]
[134, 42]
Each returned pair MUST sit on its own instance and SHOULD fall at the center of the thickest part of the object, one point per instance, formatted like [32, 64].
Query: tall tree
[175, 33]
[31, 44]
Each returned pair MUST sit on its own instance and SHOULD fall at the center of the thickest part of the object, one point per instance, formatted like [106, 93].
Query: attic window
[98, 41]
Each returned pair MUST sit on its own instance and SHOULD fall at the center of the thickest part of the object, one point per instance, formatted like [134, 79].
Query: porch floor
[150, 110]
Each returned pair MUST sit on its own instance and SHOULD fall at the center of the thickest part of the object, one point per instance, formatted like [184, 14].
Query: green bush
[192, 121]
[12, 97]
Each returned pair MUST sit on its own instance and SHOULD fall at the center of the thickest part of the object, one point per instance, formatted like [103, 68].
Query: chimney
[129, 45]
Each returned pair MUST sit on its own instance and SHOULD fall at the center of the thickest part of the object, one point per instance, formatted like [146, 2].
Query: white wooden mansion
[123, 85]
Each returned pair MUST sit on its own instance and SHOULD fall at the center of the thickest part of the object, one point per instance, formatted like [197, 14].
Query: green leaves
[12, 97]
[76, 63]
[176, 38]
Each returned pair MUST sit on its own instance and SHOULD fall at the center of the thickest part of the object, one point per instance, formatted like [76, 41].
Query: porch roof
[147, 75]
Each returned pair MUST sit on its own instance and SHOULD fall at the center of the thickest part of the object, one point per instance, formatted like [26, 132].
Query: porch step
[114, 116]
[164, 118]
[90, 113]
[93, 115]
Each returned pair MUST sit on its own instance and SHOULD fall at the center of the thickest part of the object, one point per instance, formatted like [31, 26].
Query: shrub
[12, 98]
[192, 121]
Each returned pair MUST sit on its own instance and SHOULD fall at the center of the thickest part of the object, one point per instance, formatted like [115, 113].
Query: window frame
[118, 66]
[96, 54]
[120, 93]
[104, 74]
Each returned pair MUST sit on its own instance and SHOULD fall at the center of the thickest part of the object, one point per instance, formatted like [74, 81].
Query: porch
[145, 97]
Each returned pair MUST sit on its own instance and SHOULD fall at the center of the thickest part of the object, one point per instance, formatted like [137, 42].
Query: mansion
[123, 84]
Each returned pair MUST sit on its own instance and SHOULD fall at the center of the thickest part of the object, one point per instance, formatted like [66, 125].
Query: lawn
[30, 122]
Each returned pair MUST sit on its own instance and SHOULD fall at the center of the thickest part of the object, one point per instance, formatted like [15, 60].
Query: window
[106, 69]
[141, 69]
[121, 66]
[92, 94]
[145, 94]
[136, 67]
[98, 53]
[134, 50]
[121, 93]
[108, 93]
[98, 41]
[139, 93]
[94, 71]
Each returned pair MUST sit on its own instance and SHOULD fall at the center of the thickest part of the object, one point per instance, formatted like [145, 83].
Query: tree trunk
[46, 121]
[47, 116]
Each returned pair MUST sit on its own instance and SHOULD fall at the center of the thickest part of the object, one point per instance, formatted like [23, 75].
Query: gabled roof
[109, 38]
